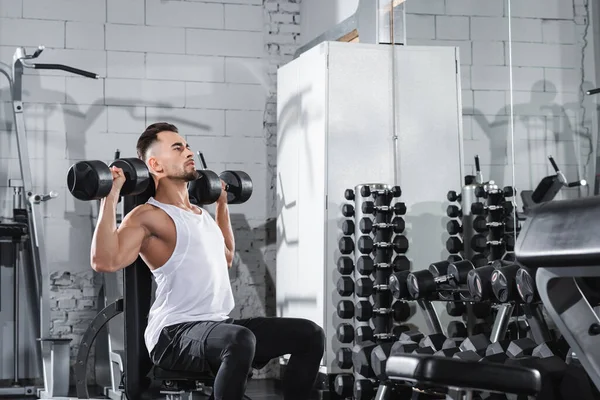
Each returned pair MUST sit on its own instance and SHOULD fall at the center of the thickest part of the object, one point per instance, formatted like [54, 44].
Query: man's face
[171, 157]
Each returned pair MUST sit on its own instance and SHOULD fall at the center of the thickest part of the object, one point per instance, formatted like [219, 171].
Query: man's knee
[241, 343]
[314, 335]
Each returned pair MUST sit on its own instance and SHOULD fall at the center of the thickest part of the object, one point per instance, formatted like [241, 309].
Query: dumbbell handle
[381, 287]
[382, 265]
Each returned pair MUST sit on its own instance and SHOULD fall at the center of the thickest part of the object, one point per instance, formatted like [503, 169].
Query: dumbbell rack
[481, 237]
[370, 306]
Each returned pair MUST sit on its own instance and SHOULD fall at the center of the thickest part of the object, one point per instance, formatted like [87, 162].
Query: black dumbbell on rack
[366, 245]
[366, 191]
[367, 225]
[479, 208]
[423, 284]
[399, 208]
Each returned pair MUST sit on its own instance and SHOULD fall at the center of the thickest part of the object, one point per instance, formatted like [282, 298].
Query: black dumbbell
[558, 347]
[207, 188]
[509, 224]
[344, 385]
[480, 224]
[361, 358]
[364, 333]
[348, 210]
[473, 345]
[364, 389]
[368, 207]
[480, 260]
[507, 191]
[455, 308]
[397, 284]
[526, 286]
[452, 196]
[453, 211]
[345, 309]
[345, 333]
[348, 227]
[346, 245]
[365, 265]
[423, 283]
[457, 329]
[364, 287]
[345, 266]
[400, 311]
[454, 244]
[480, 208]
[366, 244]
[344, 358]
[379, 358]
[366, 225]
[454, 258]
[366, 191]
[345, 286]
[454, 227]
[400, 263]
[480, 243]
[92, 179]
[504, 284]
[479, 283]
[349, 194]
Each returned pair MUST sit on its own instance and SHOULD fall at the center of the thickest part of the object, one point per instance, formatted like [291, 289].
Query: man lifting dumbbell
[188, 252]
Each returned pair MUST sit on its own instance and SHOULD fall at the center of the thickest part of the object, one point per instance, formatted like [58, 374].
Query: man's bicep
[132, 235]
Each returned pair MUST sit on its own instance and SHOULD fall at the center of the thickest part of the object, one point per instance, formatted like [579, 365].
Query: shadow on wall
[419, 225]
[250, 247]
[565, 123]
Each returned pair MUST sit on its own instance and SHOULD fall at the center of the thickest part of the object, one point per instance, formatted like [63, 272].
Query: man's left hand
[223, 197]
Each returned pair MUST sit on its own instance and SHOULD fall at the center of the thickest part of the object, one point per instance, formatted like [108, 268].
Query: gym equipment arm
[593, 91]
[66, 68]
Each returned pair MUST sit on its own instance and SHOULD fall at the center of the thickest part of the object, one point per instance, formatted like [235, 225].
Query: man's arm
[114, 249]
[223, 220]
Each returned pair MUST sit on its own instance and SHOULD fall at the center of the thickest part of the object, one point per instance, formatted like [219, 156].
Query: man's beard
[190, 176]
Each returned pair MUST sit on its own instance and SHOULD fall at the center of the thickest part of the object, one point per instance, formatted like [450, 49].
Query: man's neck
[174, 193]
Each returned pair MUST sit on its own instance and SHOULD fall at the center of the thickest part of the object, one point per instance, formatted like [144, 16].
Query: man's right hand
[118, 180]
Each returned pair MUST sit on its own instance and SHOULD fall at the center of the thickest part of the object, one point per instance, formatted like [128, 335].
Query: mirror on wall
[554, 121]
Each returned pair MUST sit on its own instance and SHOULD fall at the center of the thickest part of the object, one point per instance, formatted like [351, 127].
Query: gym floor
[263, 389]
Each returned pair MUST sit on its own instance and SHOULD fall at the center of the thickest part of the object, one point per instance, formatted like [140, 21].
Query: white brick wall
[547, 44]
[207, 66]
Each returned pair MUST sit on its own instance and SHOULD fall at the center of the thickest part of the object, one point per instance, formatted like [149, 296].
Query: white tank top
[193, 285]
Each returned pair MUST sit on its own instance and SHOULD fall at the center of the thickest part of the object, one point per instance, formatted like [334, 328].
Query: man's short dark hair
[150, 135]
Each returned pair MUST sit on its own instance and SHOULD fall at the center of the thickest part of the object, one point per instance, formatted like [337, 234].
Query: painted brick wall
[553, 62]
[207, 66]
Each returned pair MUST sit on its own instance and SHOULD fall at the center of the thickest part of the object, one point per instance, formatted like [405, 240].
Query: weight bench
[177, 384]
[428, 371]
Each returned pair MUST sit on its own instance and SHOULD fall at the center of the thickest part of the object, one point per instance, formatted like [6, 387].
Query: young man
[189, 252]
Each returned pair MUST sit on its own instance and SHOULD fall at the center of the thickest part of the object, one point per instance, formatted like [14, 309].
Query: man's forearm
[223, 220]
[105, 241]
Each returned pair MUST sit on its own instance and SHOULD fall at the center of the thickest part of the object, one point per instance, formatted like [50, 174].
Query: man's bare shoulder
[144, 214]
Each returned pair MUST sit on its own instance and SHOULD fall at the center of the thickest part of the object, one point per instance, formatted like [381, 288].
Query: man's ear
[154, 165]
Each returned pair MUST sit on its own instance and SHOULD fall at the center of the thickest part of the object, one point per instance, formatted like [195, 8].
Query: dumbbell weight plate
[137, 176]
[239, 186]
[207, 188]
[89, 180]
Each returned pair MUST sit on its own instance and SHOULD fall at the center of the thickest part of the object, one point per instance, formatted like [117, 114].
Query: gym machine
[54, 358]
[567, 277]
[548, 188]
